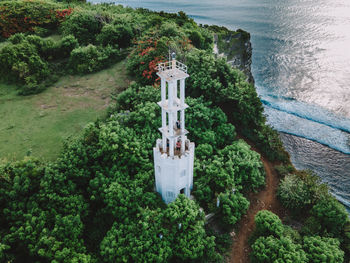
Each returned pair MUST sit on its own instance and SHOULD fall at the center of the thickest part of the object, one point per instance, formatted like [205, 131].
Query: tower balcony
[177, 132]
[176, 105]
[172, 70]
[177, 150]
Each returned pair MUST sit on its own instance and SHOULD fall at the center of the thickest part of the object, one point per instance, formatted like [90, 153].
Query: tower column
[182, 91]
[182, 119]
[164, 146]
[175, 82]
[170, 95]
[170, 107]
[171, 117]
[182, 130]
[163, 90]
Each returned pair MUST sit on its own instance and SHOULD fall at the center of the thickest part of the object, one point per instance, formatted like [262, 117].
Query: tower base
[174, 175]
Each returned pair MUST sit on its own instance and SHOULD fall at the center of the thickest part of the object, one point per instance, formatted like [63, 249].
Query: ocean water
[301, 65]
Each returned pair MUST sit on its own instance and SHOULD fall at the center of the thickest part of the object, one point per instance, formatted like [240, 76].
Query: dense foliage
[91, 58]
[32, 61]
[275, 242]
[85, 46]
[232, 207]
[84, 25]
[322, 249]
[235, 167]
[325, 232]
[270, 250]
[267, 224]
[97, 203]
[24, 16]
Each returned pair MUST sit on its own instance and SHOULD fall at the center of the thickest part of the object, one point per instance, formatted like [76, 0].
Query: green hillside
[91, 198]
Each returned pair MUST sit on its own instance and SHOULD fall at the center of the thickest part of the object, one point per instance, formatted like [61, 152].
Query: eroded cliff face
[236, 47]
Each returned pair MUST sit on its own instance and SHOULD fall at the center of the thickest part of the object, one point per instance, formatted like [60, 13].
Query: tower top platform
[172, 70]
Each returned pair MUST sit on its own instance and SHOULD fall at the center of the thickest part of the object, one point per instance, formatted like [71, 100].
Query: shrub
[300, 190]
[232, 207]
[243, 164]
[84, 25]
[21, 63]
[46, 48]
[323, 250]
[169, 29]
[67, 44]
[115, 35]
[293, 234]
[317, 189]
[272, 250]
[17, 38]
[26, 61]
[91, 58]
[284, 170]
[42, 32]
[201, 38]
[190, 241]
[294, 193]
[137, 240]
[135, 95]
[268, 141]
[208, 125]
[24, 16]
[204, 151]
[311, 227]
[331, 214]
[143, 60]
[267, 223]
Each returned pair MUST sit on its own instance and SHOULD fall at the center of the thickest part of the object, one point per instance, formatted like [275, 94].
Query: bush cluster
[23, 16]
[84, 25]
[275, 242]
[96, 203]
[91, 58]
[325, 221]
[29, 61]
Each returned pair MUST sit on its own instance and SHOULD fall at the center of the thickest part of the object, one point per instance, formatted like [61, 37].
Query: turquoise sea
[301, 65]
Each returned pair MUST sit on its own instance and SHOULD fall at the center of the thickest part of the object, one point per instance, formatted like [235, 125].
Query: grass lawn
[38, 124]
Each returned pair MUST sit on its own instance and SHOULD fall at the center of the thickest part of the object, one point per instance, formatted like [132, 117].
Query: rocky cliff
[236, 47]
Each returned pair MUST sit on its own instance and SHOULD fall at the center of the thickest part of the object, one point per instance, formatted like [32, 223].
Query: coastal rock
[236, 47]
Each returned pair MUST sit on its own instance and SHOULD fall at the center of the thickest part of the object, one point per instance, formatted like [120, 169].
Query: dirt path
[265, 199]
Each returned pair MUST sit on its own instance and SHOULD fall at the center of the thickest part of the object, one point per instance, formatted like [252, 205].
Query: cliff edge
[236, 47]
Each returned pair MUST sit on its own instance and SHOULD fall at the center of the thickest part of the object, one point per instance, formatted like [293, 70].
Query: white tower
[174, 153]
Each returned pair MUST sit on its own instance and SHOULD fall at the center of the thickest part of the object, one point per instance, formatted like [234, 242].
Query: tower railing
[168, 65]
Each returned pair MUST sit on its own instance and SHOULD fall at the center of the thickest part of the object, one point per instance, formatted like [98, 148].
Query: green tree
[190, 241]
[140, 240]
[22, 63]
[323, 250]
[331, 214]
[92, 58]
[84, 25]
[68, 43]
[294, 193]
[244, 165]
[115, 35]
[272, 250]
[267, 223]
[208, 124]
[38, 222]
[232, 207]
